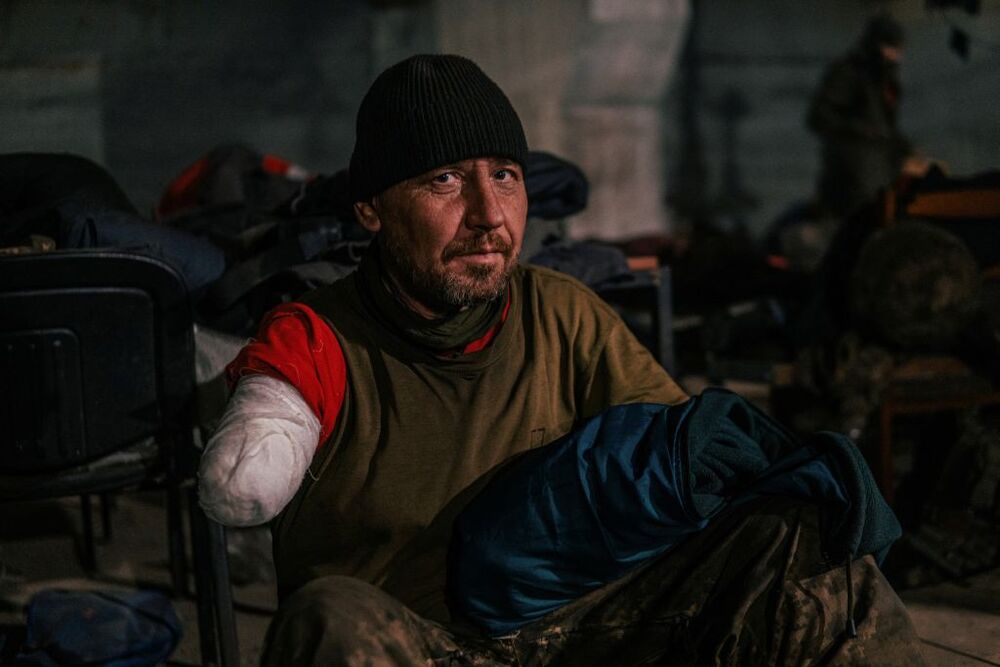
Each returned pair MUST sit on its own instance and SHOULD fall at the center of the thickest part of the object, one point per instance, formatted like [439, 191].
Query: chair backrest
[96, 353]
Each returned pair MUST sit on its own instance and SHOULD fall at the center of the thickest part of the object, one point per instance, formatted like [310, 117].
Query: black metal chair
[97, 395]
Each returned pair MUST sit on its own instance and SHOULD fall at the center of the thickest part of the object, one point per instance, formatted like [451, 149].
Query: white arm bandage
[254, 463]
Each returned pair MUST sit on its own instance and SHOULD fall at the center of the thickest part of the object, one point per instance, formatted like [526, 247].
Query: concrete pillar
[588, 79]
[615, 111]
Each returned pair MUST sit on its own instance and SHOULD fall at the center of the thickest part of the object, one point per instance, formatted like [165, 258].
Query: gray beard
[479, 284]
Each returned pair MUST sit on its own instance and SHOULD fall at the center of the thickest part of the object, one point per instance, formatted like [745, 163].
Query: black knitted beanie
[428, 111]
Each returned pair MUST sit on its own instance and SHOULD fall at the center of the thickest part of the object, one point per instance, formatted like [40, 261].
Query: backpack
[283, 230]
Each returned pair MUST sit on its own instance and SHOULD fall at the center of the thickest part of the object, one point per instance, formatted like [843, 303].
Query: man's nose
[484, 206]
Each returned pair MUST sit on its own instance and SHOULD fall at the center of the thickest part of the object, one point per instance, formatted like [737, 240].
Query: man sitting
[365, 417]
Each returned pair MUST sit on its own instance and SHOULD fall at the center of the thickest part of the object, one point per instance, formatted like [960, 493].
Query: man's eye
[504, 174]
[445, 178]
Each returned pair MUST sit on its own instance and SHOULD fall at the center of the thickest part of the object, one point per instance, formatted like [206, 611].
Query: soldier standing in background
[854, 113]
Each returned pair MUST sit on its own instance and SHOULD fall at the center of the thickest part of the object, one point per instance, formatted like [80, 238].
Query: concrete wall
[146, 86]
[588, 77]
[771, 54]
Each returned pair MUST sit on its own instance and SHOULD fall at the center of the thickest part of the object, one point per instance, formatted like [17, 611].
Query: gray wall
[771, 53]
[146, 86]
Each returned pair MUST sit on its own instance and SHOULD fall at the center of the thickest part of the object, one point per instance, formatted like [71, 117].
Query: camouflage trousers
[752, 589]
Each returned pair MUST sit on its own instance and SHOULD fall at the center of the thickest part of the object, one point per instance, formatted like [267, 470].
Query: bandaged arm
[288, 386]
[254, 463]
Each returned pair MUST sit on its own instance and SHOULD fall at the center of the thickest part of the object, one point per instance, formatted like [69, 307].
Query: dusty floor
[39, 544]
[958, 621]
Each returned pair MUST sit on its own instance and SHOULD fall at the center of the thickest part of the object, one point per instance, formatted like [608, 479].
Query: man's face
[450, 236]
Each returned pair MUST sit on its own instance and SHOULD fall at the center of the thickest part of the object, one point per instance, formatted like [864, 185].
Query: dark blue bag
[107, 628]
[633, 482]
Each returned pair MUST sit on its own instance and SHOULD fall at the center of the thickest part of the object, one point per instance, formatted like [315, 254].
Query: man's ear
[367, 216]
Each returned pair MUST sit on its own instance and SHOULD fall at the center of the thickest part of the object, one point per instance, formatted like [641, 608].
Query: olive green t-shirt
[416, 428]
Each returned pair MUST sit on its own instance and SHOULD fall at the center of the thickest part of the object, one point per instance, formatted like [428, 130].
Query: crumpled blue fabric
[633, 482]
[112, 628]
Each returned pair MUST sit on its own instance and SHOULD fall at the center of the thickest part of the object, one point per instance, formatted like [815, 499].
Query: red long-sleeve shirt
[296, 345]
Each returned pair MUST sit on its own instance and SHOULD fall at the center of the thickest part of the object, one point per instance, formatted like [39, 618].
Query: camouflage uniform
[753, 588]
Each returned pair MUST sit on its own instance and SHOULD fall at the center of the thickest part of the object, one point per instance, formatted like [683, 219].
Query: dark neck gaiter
[443, 335]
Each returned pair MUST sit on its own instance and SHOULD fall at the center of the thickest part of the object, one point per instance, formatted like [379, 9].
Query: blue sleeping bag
[634, 481]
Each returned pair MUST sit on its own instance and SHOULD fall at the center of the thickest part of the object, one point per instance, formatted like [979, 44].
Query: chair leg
[106, 501]
[214, 594]
[663, 321]
[89, 556]
[203, 582]
[223, 595]
[178, 442]
[175, 539]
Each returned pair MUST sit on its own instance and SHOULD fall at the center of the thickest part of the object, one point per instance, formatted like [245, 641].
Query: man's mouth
[481, 257]
[480, 251]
